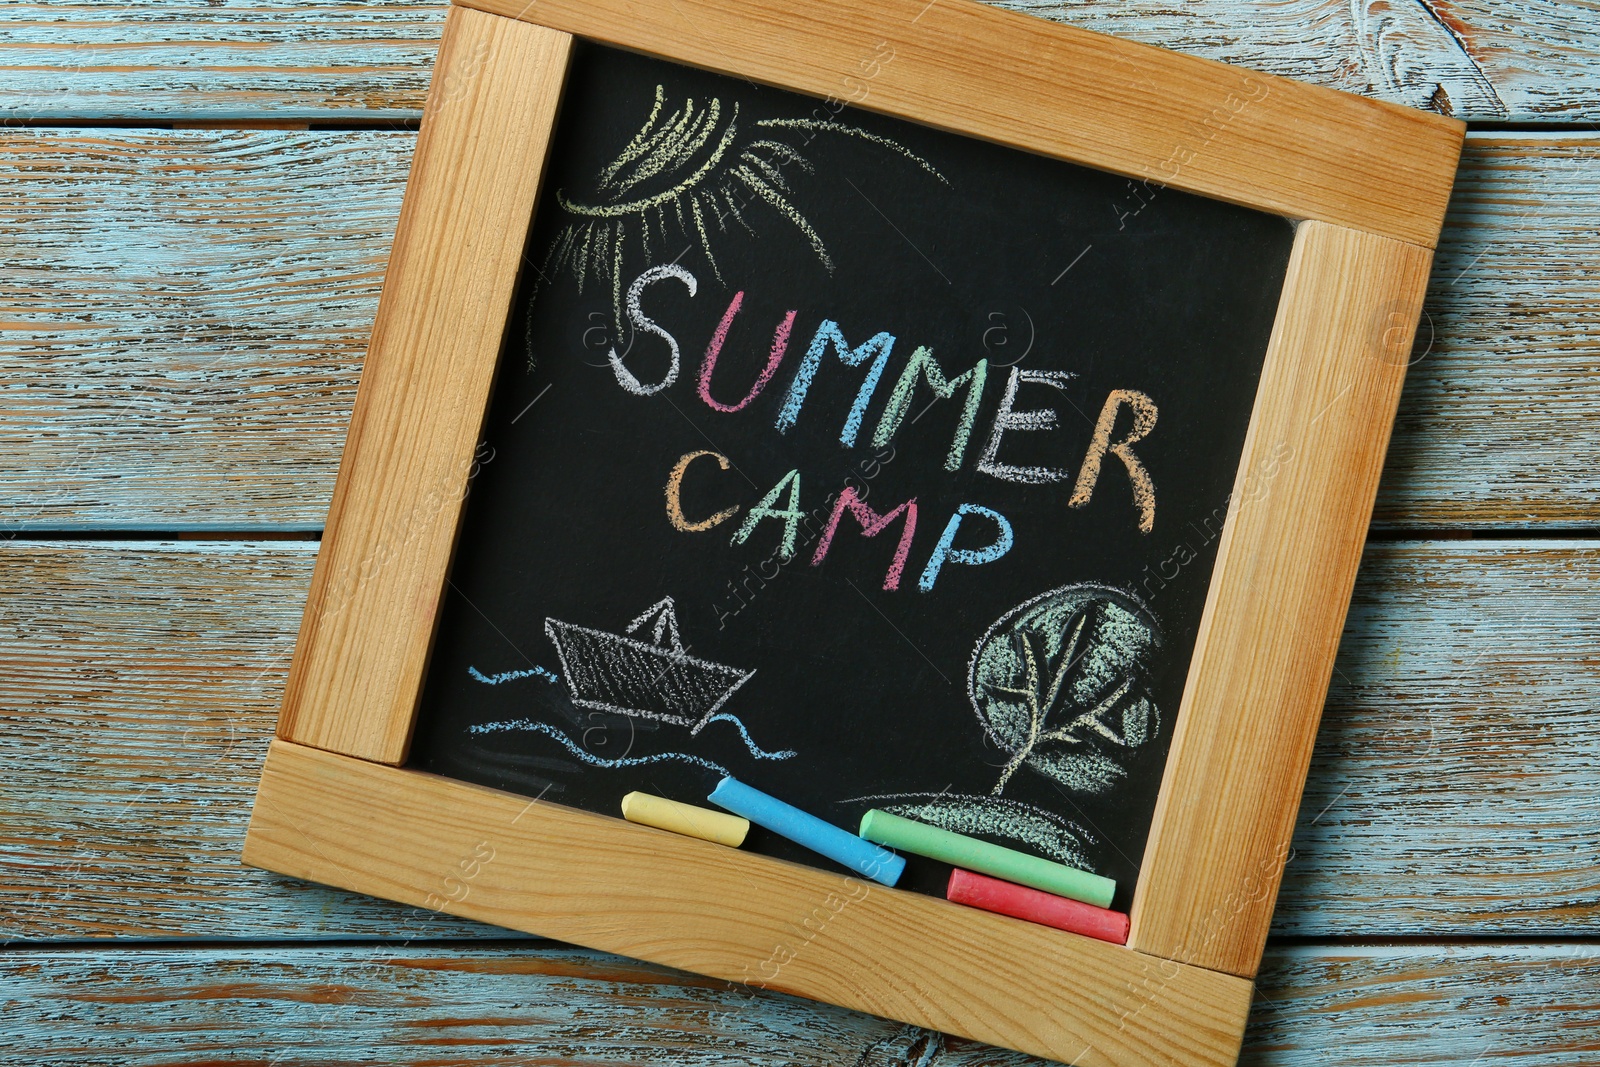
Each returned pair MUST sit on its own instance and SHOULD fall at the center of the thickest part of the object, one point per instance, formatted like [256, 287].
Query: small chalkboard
[872, 465]
[908, 408]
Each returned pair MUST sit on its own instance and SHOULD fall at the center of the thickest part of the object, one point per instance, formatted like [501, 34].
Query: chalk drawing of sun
[691, 174]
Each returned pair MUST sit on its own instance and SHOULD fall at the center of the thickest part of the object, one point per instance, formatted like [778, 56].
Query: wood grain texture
[1425, 1006]
[1510, 60]
[653, 895]
[1458, 763]
[1268, 143]
[1428, 1004]
[185, 313]
[141, 683]
[1285, 565]
[1498, 60]
[411, 451]
[1497, 424]
[224, 60]
[182, 319]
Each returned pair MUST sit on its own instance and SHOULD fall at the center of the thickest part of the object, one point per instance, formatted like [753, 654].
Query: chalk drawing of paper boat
[653, 679]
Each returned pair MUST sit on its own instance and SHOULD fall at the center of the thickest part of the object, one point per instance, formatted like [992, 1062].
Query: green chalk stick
[961, 851]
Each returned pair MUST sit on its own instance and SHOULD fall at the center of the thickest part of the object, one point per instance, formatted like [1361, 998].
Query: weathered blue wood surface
[538, 1004]
[1504, 60]
[182, 314]
[145, 682]
[182, 317]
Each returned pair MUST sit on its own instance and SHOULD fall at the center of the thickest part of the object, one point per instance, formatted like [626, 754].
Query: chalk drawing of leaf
[1059, 683]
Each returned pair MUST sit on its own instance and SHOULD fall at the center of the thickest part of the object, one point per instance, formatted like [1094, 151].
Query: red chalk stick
[1018, 901]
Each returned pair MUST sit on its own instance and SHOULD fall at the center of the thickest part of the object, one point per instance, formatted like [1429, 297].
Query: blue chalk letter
[972, 556]
[877, 348]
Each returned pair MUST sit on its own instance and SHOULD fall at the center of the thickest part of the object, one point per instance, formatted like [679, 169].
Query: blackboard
[735, 294]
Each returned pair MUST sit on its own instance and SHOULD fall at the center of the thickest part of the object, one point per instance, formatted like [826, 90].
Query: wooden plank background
[183, 313]
[541, 1004]
[183, 308]
[329, 60]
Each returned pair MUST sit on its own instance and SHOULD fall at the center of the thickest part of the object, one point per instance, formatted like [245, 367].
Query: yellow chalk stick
[685, 819]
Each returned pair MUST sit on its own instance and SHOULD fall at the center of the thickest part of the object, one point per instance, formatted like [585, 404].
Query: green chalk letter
[922, 363]
[791, 515]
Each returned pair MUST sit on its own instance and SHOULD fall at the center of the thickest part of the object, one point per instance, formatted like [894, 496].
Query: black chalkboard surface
[870, 464]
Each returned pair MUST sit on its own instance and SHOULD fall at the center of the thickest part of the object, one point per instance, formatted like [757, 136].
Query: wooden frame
[1368, 180]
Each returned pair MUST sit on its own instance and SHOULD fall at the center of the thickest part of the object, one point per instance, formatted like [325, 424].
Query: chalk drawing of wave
[625, 674]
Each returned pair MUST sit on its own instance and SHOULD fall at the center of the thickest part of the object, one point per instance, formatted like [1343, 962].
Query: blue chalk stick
[842, 846]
